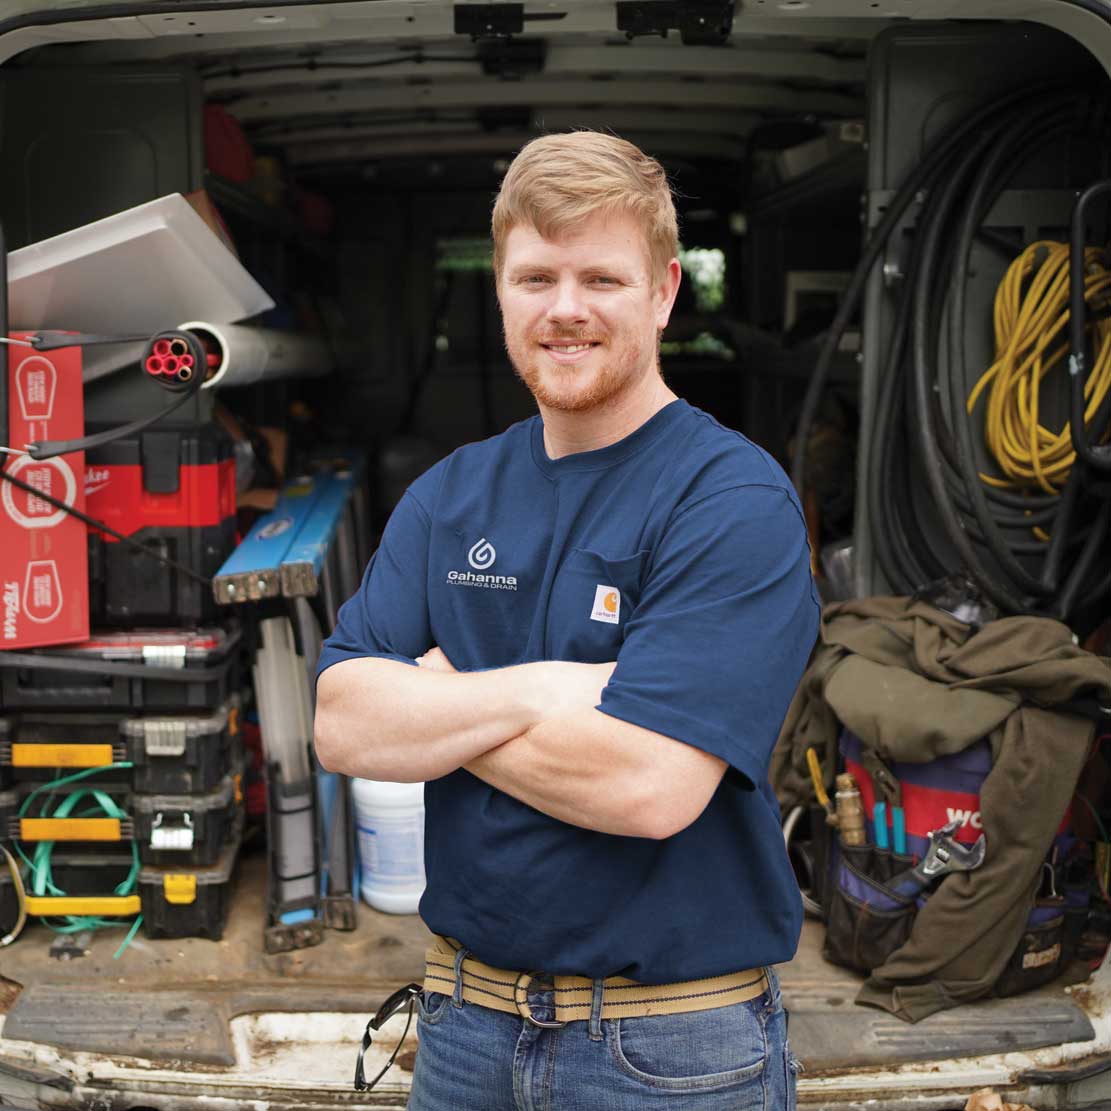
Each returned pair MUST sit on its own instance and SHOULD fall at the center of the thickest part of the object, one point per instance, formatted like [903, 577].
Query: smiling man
[609, 606]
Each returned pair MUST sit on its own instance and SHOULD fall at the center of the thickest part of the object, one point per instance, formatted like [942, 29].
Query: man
[610, 606]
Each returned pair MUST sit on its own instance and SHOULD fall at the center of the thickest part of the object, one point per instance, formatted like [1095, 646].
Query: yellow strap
[70, 829]
[47, 905]
[26, 755]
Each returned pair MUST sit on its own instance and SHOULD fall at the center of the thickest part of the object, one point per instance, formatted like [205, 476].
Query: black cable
[923, 347]
[896, 208]
[1085, 443]
[988, 181]
[102, 527]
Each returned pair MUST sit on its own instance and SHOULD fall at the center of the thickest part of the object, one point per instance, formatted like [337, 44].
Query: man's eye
[601, 279]
[534, 279]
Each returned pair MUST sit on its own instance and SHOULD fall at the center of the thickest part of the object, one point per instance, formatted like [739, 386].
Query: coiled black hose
[920, 428]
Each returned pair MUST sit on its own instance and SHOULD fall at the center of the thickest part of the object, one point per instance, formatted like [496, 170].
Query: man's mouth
[568, 350]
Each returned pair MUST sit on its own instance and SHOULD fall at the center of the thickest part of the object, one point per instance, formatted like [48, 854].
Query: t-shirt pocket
[592, 598]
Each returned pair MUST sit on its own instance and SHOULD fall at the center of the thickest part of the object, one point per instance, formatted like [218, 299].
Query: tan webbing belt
[503, 990]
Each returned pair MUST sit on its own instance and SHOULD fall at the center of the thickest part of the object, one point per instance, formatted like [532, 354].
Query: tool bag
[867, 920]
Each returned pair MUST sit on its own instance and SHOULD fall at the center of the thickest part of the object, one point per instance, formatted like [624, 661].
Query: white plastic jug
[389, 825]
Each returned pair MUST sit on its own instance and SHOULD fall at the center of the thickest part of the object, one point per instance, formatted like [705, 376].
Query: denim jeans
[472, 1058]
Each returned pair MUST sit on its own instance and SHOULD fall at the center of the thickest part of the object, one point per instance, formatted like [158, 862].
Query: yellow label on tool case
[180, 888]
[49, 905]
[60, 756]
[70, 829]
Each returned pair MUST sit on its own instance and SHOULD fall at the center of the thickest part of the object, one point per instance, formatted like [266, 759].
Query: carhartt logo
[482, 555]
[607, 605]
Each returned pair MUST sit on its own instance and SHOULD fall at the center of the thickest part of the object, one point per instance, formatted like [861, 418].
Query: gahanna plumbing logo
[481, 557]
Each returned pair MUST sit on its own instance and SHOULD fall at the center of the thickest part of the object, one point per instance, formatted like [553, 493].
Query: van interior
[351, 151]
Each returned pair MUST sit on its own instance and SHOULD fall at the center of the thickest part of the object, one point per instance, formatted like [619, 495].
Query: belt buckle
[520, 1001]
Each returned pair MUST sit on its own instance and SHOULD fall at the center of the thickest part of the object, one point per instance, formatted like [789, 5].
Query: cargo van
[350, 150]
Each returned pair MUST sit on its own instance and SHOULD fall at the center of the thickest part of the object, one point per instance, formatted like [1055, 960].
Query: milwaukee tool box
[147, 670]
[173, 490]
[43, 579]
[183, 754]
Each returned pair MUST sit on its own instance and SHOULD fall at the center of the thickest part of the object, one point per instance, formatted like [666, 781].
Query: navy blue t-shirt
[681, 553]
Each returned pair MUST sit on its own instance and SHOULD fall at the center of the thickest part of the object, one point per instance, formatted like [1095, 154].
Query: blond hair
[557, 181]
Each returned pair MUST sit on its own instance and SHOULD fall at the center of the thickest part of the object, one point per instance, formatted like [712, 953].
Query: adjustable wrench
[945, 855]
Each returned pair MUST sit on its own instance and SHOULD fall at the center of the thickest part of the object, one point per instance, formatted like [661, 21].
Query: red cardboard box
[44, 570]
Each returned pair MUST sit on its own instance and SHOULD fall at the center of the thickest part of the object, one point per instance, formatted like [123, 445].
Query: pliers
[889, 793]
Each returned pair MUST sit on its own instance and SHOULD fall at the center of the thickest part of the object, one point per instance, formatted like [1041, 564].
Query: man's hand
[558, 689]
[435, 660]
[565, 688]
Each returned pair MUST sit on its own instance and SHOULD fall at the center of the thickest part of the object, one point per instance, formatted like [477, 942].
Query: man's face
[582, 314]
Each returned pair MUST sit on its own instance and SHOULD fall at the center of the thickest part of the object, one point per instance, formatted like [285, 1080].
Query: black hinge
[497, 21]
[699, 22]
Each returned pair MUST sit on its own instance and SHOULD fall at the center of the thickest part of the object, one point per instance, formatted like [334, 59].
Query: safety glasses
[405, 996]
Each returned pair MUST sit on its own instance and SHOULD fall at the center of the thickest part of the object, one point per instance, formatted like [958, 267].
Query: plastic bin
[168, 829]
[155, 670]
[183, 754]
[188, 829]
[188, 902]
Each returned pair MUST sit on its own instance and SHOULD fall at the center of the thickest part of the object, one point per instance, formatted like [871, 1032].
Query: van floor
[182, 994]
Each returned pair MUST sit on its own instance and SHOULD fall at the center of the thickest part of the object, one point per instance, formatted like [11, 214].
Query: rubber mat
[850, 1036]
[157, 1025]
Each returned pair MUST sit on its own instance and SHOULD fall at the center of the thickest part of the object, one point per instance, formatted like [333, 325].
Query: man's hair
[557, 181]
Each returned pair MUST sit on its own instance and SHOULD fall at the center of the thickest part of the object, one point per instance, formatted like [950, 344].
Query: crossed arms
[529, 730]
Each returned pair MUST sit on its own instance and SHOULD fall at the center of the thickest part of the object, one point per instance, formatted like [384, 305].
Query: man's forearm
[585, 769]
[382, 719]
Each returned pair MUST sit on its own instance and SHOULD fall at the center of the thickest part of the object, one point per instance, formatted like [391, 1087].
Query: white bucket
[389, 826]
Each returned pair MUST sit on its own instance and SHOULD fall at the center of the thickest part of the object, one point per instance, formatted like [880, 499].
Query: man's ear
[666, 292]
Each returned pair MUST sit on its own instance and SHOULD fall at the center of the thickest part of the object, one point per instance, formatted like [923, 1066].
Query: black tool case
[188, 902]
[171, 755]
[145, 670]
[188, 829]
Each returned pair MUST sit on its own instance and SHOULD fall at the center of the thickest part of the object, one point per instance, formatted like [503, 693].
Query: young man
[610, 606]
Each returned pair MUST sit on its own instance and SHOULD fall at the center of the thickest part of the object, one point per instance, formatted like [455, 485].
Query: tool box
[188, 902]
[9, 801]
[146, 670]
[83, 880]
[179, 755]
[168, 829]
[189, 829]
[174, 491]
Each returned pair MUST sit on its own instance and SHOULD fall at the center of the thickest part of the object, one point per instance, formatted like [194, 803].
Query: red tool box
[43, 556]
[174, 491]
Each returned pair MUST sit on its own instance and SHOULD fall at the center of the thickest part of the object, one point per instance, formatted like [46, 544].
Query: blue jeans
[472, 1058]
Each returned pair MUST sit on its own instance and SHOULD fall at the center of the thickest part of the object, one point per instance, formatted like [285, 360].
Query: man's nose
[568, 306]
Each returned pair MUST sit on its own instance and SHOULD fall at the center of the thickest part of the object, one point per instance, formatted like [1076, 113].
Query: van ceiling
[343, 89]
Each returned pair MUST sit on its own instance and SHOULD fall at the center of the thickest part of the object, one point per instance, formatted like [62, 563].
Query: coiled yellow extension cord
[1028, 324]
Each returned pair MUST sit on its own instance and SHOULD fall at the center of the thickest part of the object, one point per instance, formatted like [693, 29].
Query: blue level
[252, 571]
[303, 563]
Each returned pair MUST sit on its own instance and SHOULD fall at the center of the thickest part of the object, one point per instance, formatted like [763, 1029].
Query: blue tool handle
[898, 829]
[879, 824]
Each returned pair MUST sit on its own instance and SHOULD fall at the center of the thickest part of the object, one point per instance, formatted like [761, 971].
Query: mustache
[569, 337]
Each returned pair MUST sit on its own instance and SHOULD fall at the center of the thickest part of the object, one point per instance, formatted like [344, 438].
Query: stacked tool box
[121, 776]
